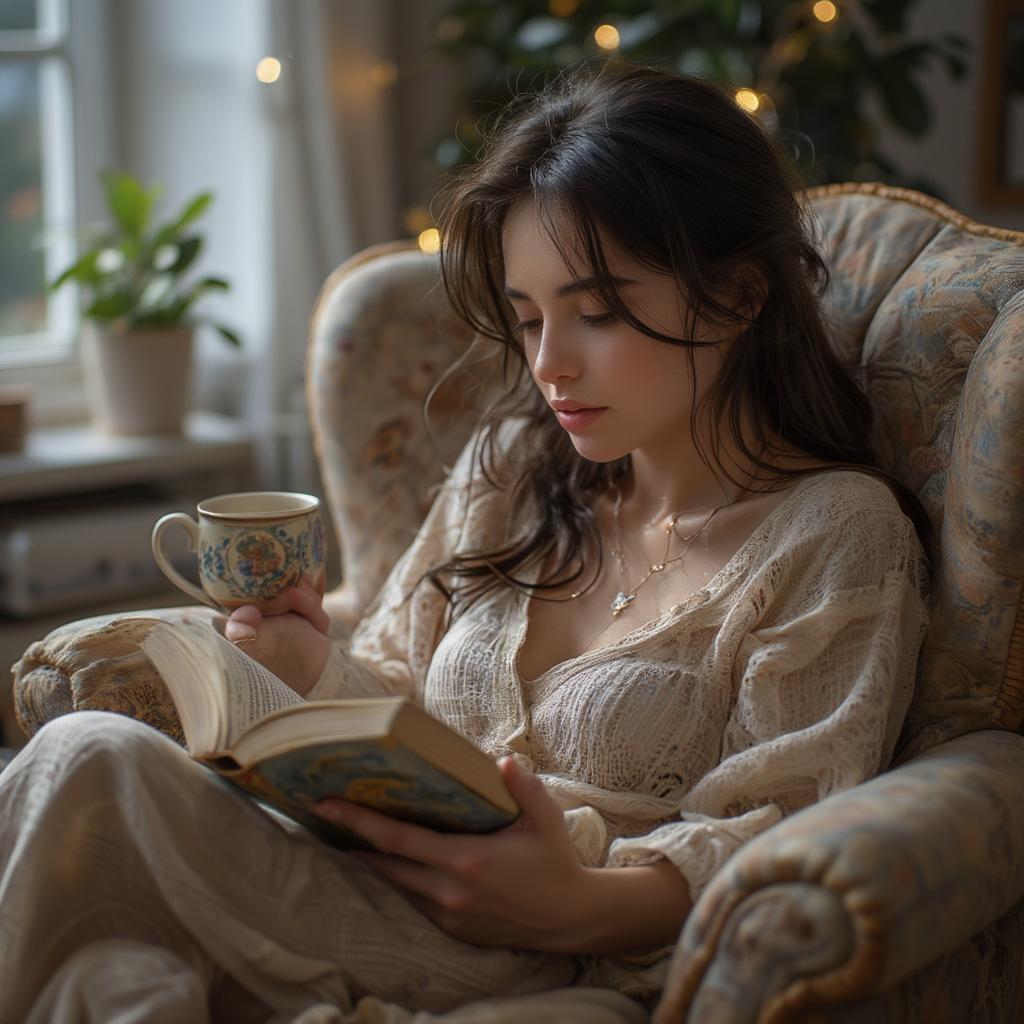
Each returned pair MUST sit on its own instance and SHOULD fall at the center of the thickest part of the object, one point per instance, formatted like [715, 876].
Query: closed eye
[599, 320]
[527, 325]
[596, 320]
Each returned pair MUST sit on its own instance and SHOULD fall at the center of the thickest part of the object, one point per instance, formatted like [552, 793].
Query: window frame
[81, 142]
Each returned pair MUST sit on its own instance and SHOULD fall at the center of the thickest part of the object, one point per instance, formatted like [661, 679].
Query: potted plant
[137, 337]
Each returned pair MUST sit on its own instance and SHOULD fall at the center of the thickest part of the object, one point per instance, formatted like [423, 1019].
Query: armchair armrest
[97, 664]
[852, 895]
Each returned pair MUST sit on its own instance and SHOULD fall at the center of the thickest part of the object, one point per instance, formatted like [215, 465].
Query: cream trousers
[136, 886]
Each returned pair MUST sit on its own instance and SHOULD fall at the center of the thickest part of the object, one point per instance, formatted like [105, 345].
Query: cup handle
[192, 529]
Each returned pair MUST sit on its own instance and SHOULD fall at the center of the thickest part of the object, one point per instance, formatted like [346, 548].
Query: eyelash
[601, 320]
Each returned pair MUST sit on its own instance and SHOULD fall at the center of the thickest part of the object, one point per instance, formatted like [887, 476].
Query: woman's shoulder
[840, 490]
[840, 531]
[842, 515]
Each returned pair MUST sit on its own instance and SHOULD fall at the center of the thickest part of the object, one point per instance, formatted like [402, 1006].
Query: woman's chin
[594, 450]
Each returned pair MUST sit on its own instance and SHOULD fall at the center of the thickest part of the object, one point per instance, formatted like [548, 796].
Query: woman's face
[638, 391]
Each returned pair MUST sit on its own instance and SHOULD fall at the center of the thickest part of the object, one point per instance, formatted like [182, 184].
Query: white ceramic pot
[138, 382]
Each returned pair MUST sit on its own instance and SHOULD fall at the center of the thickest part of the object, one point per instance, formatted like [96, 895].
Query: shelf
[71, 459]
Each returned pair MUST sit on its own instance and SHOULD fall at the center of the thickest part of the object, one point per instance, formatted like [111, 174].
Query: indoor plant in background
[809, 71]
[139, 322]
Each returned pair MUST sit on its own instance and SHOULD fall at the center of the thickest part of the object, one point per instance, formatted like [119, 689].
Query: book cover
[243, 722]
[377, 773]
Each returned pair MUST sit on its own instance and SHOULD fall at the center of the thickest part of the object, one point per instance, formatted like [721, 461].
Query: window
[36, 183]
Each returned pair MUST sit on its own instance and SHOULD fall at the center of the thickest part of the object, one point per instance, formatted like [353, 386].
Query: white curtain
[333, 178]
[307, 170]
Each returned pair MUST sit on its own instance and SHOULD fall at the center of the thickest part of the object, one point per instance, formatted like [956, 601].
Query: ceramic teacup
[249, 546]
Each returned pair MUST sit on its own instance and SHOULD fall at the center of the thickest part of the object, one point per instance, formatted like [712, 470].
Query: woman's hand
[287, 634]
[522, 887]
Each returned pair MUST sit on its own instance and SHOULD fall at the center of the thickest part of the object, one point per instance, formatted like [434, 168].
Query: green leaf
[188, 249]
[129, 202]
[230, 335]
[728, 12]
[110, 307]
[206, 284]
[903, 100]
[195, 208]
[165, 316]
[217, 283]
[956, 67]
[889, 15]
[83, 270]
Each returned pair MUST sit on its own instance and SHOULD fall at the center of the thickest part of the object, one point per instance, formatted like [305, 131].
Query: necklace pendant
[622, 602]
[658, 567]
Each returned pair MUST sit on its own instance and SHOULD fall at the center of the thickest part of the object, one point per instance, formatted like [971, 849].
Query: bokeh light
[748, 99]
[825, 10]
[268, 69]
[429, 240]
[563, 8]
[383, 74]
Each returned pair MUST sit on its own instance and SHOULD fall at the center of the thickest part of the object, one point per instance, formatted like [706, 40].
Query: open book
[257, 733]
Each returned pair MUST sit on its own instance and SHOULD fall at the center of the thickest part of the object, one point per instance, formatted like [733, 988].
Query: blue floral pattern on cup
[252, 563]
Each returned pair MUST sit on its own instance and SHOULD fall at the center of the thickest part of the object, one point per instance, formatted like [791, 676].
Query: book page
[253, 691]
[193, 657]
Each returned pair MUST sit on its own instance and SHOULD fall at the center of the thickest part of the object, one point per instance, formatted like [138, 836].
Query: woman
[667, 649]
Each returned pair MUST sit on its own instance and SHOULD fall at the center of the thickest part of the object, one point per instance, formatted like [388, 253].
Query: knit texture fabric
[784, 679]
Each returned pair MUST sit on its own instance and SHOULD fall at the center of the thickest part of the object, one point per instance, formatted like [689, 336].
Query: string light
[794, 49]
[748, 99]
[430, 240]
[607, 37]
[416, 219]
[825, 10]
[383, 74]
[268, 70]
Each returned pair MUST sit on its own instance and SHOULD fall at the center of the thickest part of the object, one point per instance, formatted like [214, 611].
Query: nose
[557, 357]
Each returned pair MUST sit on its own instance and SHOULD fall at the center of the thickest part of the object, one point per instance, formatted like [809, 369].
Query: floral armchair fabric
[898, 902]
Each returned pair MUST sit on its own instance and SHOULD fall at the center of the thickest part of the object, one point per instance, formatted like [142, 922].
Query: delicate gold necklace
[623, 599]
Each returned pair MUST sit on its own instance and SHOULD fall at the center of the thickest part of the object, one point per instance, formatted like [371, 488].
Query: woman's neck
[677, 482]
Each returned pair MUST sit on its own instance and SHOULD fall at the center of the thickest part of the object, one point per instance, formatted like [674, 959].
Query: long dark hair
[669, 168]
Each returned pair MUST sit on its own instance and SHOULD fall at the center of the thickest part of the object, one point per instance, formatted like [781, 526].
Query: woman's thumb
[529, 792]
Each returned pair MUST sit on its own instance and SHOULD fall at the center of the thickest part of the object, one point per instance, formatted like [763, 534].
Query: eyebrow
[586, 284]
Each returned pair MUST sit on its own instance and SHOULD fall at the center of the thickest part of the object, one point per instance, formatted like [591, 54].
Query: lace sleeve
[821, 694]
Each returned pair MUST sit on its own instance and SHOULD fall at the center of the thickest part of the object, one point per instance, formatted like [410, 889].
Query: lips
[578, 419]
[560, 405]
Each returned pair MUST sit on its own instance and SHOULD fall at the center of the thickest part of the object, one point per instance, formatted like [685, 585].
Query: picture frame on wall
[1001, 144]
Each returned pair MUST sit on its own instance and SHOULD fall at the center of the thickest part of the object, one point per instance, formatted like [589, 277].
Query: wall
[189, 111]
[427, 98]
[190, 115]
[948, 152]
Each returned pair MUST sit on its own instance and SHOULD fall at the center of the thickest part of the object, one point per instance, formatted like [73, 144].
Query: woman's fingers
[536, 803]
[311, 606]
[302, 599]
[243, 624]
[417, 878]
[393, 837]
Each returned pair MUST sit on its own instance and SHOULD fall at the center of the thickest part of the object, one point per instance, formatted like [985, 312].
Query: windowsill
[57, 392]
[73, 458]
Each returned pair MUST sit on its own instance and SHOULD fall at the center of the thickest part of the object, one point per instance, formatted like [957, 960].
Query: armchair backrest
[931, 303]
[381, 336]
[920, 289]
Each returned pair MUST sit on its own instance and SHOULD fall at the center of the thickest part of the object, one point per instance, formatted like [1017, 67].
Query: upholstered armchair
[901, 900]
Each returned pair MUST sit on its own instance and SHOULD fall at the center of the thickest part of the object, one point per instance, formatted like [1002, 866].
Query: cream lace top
[784, 679]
